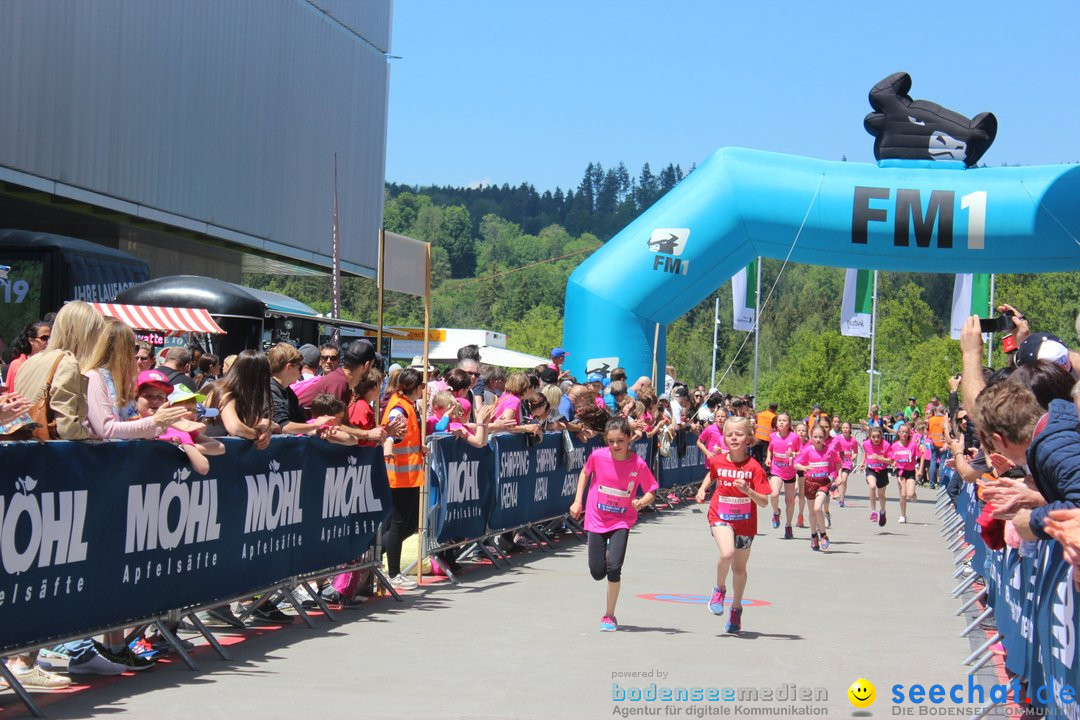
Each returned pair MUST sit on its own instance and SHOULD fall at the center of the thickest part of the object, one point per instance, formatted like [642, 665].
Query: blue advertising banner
[533, 479]
[97, 534]
[462, 489]
[684, 469]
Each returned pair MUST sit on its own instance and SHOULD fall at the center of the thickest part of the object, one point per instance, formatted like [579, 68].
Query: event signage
[97, 534]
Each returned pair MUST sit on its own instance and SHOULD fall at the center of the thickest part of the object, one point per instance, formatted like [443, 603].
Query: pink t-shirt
[904, 455]
[613, 489]
[712, 438]
[881, 450]
[783, 465]
[823, 465]
[184, 438]
[508, 401]
[924, 445]
[847, 449]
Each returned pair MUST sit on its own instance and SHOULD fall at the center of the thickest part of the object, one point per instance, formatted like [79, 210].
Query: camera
[1001, 323]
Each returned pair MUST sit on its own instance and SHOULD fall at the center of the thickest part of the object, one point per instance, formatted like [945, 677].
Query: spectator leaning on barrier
[285, 363]
[32, 340]
[333, 379]
[243, 400]
[493, 378]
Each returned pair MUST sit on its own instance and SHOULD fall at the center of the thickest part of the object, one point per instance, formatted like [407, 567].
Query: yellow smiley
[862, 693]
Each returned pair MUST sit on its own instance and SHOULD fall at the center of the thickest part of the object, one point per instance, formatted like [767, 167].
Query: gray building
[201, 135]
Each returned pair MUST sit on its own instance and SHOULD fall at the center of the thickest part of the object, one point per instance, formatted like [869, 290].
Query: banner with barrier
[684, 464]
[534, 479]
[462, 490]
[1035, 610]
[93, 535]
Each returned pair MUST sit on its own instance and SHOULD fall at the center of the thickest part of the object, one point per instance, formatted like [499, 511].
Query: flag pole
[990, 345]
[757, 323]
[715, 328]
[873, 338]
[335, 282]
[655, 352]
[422, 415]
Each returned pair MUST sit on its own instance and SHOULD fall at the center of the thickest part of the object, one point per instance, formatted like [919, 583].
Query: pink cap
[465, 405]
[154, 377]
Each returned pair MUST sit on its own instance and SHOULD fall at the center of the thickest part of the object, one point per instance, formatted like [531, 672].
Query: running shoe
[902, 520]
[841, 503]
[716, 603]
[800, 522]
[881, 519]
[824, 545]
[828, 519]
[776, 520]
[873, 517]
[788, 535]
[608, 623]
[734, 623]
[814, 544]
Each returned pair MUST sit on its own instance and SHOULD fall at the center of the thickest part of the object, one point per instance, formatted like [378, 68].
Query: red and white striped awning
[169, 320]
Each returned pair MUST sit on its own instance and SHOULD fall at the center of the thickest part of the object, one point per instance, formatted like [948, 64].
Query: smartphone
[1008, 344]
[1001, 323]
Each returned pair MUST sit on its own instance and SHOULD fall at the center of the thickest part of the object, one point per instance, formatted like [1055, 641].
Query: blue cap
[595, 377]
[558, 352]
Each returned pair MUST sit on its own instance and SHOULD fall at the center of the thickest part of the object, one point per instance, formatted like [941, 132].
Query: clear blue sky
[512, 91]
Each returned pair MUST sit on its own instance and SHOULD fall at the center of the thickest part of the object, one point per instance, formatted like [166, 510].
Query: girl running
[819, 465]
[924, 451]
[784, 445]
[614, 475]
[903, 453]
[741, 487]
[876, 461]
[803, 431]
[711, 439]
[847, 448]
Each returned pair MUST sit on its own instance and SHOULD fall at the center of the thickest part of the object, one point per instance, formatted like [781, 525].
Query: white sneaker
[401, 582]
[96, 665]
[903, 519]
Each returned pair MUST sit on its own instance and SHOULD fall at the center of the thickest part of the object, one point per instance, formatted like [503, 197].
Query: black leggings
[606, 553]
[403, 521]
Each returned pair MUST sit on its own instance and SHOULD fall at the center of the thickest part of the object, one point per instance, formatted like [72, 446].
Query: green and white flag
[744, 297]
[970, 296]
[858, 306]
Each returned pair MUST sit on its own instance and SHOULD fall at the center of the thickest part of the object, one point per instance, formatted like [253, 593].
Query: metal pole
[757, 323]
[715, 329]
[990, 345]
[873, 338]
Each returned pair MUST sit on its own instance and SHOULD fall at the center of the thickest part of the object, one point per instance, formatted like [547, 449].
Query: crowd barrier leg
[175, 644]
[210, 637]
[969, 550]
[984, 648]
[971, 601]
[20, 691]
[290, 597]
[952, 525]
[977, 621]
[968, 582]
[576, 527]
[313, 591]
[955, 545]
[542, 541]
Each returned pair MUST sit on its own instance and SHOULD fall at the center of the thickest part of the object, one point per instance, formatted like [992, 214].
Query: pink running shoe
[608, 623]
[873, 517]
[716, 603]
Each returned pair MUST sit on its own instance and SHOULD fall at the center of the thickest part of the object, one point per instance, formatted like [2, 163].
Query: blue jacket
[1054, 460]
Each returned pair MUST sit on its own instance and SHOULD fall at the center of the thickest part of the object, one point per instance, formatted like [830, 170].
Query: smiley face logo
[862, 693]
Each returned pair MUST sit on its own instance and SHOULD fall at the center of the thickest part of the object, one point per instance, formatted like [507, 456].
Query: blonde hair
[745, 422]
[517, 383]
[281, 355]
[445, 400]
[76, 330]
[553, 395]
[115, 352]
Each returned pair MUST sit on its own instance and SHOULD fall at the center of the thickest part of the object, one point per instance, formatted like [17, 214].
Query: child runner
[803, 431]
[924, 451]
[614, 475]
[903, 453]
[784, 445]
[819, 464]
[711, 439]
[847, 448]
[876, 461]
[741, 485]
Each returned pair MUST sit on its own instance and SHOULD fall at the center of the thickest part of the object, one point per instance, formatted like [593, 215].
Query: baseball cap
[155, 378]
[595, 377]
[549, 375]
[310, 353]
[1043, 346]
[183, 392]
[559, 352]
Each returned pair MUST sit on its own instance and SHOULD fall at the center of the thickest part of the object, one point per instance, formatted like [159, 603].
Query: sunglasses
[333, 358]
[44, 338]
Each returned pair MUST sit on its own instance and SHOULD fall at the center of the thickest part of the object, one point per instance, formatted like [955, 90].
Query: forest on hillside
[501, 257]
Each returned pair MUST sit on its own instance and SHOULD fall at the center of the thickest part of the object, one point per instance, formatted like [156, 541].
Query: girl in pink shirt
[819, 465]
[614, 475]
[803, 431]
[904, 453]
[780, 460]
[847, 448]
[876, 460]
[711, 439]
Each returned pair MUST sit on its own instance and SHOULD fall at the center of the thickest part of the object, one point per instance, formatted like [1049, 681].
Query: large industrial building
[199, 136]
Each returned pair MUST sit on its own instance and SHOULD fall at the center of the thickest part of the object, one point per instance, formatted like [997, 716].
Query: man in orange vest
[936, 432]
[765, 423]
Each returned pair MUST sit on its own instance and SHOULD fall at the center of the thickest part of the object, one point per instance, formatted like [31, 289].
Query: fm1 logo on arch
[668, 244]
[908, 215]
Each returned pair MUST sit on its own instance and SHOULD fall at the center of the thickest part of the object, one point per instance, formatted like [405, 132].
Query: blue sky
[512, 91]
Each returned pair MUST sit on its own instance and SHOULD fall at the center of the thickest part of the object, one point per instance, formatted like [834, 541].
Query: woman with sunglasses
[33, 339]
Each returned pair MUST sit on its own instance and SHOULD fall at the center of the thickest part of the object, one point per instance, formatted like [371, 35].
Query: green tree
[538, 330]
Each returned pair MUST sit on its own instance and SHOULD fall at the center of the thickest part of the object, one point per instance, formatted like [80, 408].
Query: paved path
[523, 643]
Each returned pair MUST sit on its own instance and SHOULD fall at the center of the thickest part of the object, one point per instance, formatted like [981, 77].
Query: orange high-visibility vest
[764, 426]
[936, 430]
[407, 469]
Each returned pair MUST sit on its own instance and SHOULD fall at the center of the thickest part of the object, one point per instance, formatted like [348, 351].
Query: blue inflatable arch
[907, 215]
